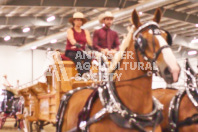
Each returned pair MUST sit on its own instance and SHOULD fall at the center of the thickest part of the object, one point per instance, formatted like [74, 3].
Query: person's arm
[116, 42]
[88, 37]
[70, 36]
[95, 41]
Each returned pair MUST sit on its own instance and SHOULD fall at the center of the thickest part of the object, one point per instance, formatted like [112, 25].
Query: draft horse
[124, 105]
[180, 106]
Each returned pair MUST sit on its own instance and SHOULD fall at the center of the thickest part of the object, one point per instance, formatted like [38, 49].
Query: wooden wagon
[42, 99]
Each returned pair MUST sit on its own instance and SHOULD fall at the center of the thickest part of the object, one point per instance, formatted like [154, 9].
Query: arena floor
[9, 127]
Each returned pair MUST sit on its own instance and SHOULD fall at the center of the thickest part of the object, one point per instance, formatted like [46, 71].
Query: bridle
[140, 45]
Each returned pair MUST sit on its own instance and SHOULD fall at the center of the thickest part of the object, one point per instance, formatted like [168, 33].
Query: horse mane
[118, 56]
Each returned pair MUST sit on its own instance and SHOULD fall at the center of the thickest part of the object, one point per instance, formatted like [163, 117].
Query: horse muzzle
[171, 75]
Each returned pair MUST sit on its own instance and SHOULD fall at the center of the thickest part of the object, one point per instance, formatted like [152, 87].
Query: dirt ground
[9, 127]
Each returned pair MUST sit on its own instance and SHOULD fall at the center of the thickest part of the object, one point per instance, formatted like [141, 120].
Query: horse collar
[193, 95]
[173, 115]
[124, 117]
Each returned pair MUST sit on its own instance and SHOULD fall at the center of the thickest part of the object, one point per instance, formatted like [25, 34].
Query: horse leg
[41, 125]
[15, 125]
[19, 121]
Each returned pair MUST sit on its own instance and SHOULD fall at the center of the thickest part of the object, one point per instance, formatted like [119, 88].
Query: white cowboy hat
[78, 15]
[105, 15]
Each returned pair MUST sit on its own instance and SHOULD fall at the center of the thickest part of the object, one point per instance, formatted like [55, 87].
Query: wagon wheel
[33, 126]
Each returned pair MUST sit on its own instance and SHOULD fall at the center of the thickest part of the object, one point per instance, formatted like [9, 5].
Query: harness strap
[148, 74]
[138, 126]
[98, 116]
[174, 124]
[188, 121]
[84, 115]
[157, 121]
[63, 105]
[153, 39]
[173, 114]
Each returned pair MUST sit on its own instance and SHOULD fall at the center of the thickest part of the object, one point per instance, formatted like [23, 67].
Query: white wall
[18, 65]
[39, 59]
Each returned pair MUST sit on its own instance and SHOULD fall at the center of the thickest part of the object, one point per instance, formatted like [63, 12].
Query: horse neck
[186, 109]
[135, 94]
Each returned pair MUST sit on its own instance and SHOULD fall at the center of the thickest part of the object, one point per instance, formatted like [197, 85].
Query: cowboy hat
[78, 15]
[105, 15]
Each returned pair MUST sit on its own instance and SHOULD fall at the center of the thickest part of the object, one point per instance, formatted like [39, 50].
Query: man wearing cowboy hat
[106, 40]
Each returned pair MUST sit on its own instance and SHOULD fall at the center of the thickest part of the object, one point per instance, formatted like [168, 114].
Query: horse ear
[157, 15]
[135, 19]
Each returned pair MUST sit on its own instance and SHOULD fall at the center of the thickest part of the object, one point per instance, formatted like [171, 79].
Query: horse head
[152, 44]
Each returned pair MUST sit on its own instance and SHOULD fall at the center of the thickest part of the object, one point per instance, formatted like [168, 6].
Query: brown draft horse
[136, 92]
[186, 108]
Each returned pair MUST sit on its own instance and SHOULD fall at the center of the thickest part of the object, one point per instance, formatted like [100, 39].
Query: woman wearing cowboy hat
[105, 39]
[77, 39]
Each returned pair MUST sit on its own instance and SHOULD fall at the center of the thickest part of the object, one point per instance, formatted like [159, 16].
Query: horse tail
[63, 105]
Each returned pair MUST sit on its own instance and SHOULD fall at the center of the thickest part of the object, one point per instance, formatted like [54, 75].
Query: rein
[189, 121]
